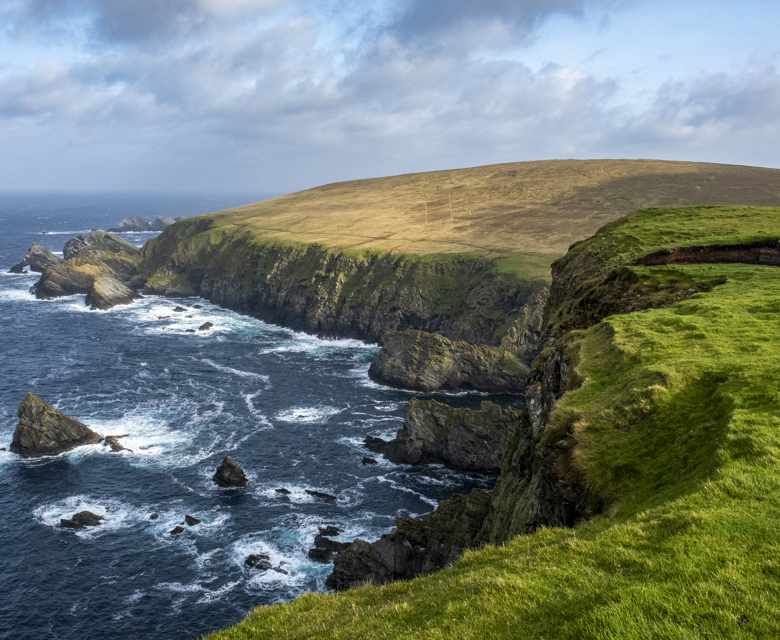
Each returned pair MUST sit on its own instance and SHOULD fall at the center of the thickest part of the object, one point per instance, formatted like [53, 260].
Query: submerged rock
[154, 516]
[131, 223]
[330, 530]
[107, 292]
[229, 474]
[38, 258]
[460, 438]
[81, 520]
[160, 223]
[319, 494]
[417, 547]
[430, 362]
[284, 492]
[177, 530]
[113, 442]
[44, 431]
[367, 460]
[180, 309]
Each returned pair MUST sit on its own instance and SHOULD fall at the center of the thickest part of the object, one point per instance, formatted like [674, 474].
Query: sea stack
[229, 474]
[44, 431]
[132, 223]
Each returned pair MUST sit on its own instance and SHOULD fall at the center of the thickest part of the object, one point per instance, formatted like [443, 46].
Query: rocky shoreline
[436, 334]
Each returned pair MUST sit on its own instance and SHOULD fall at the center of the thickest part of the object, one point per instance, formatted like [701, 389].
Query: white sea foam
[235, 372]
[399, 487]
[308, 415]
[16, 295]
[65, 233]
[118, 515]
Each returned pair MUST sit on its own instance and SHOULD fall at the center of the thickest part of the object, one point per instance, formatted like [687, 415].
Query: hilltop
[529, 210]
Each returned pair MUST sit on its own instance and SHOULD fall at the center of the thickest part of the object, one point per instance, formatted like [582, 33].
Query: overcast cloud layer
[278, 95]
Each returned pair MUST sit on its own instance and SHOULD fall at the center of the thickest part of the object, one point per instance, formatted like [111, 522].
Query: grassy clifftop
[529, 211]
[671, 424]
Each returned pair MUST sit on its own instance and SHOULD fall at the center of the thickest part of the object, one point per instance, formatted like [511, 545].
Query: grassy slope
[678, 427]
[525, 213]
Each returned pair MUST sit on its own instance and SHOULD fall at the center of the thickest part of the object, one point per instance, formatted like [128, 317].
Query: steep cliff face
[430, 362]
[345, 293]
[459, 438]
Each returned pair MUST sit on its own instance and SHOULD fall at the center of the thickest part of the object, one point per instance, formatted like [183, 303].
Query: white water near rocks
[290, 408]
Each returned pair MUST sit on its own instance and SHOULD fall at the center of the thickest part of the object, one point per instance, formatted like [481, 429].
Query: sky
[275, 96]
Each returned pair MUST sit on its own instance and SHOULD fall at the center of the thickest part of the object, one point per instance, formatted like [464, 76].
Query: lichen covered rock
[44, 431]
[108, 292]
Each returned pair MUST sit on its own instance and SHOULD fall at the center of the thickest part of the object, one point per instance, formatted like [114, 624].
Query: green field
[674, 433]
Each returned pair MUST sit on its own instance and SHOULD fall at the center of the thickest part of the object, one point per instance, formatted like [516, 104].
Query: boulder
[81, 520]
[177, 530]
[284, 492]
[367, 460]
[205, 326]
[417, 547]
[107, 292]
[113, 442]
[160, 223]
[180, 309]
[132, 223]
[44, 431]
[154, 516]
[229, 474]
[430, 362]
[259, 561]
[191, 521]
[38, 258]
[280, 570]
[459, 438]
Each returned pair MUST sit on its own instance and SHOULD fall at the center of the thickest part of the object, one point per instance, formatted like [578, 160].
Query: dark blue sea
[290, 408]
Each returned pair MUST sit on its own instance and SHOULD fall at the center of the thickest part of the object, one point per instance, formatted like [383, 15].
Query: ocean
[291, 409]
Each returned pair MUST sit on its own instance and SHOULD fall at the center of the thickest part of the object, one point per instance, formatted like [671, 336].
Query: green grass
[675, 431]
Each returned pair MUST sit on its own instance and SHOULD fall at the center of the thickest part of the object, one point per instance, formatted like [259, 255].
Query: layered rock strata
[459, 438]
[430, 362]
[44, 431]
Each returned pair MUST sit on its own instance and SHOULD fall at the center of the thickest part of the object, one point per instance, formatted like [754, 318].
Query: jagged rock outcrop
[131, 223]
[101, 265]
[430, 362]
[98, 241]
[229, 474]
[38, 258]
[459, 438]
[107, 292]
[417, 547]
[160, 223]
[44, 431]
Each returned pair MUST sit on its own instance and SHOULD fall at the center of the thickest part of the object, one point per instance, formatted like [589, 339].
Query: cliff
[360, 294]
[642, 480]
